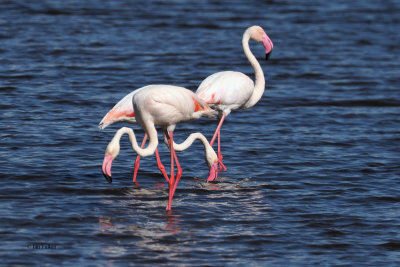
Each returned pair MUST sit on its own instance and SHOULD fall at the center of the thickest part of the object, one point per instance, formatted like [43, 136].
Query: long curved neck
[259, 85]
[189, 141]
[143, 152]
[209, 151]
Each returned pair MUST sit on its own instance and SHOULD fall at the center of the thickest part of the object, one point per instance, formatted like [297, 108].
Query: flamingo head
[112, 152]
[212, 162]
[258, 34]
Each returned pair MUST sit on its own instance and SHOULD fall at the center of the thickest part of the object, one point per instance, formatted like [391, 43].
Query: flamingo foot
[213, 174]
[106, 167]
[222, 167]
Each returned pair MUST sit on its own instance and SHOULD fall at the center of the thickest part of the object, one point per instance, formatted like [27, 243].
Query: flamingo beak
[213, 174]
[268, 45]
[106, 167]
[267, 56]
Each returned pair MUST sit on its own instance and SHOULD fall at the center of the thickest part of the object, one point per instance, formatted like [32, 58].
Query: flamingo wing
[122, 111]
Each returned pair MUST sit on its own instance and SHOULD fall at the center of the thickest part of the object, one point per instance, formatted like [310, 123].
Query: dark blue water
[313, 169]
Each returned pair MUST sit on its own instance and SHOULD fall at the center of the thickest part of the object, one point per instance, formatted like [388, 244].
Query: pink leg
[218, 133]
[218, 129]
[220, 157]
[171, 178]
[135, 170]
[161, 166]
[173, 184]
[178, 173]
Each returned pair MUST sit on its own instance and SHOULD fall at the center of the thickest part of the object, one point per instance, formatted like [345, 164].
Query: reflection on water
[173, 225]
[107, 224]
[125, 236]
[112, 251]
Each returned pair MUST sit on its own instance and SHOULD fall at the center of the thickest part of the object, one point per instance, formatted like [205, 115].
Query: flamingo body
[226, 90]
[167, 105]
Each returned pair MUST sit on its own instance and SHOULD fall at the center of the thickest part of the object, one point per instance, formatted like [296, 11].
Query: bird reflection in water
[105, 224]
[172, 224]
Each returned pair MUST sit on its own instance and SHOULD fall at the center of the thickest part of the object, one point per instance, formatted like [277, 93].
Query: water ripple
[312, 169]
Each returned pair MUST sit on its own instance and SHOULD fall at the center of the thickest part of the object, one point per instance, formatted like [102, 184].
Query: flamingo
[165, 106]
[230, 90]
[123, 111]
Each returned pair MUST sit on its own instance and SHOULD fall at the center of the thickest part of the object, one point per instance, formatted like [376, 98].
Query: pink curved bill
[106, 167]
[213, 174]
[267, 43]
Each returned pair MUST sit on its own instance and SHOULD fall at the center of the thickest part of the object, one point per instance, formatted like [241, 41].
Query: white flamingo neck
[259, 84]
[210, 155]
[143, 152]
[189, 141]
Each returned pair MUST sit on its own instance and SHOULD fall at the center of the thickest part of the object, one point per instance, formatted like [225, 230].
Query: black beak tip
[267, 56]
[108, 178]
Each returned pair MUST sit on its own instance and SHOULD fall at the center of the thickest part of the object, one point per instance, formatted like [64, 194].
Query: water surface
[313, 168]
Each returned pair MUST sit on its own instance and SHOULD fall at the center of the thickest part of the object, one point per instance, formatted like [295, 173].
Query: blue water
[313, 168]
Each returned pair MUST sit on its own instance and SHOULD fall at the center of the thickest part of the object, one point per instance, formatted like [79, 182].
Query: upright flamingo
[230, 90]
[165, 106]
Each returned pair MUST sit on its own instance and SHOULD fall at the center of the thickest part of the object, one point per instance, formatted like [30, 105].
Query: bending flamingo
[230, 90]
[123, 111]
[165, 106]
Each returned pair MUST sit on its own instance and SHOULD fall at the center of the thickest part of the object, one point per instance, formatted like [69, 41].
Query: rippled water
[313, 168]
